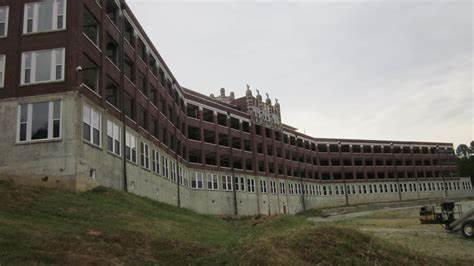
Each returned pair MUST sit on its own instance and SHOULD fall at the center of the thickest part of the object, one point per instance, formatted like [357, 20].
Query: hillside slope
[103, 226]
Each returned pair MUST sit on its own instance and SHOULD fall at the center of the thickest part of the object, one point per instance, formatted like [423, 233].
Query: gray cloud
[376, 69]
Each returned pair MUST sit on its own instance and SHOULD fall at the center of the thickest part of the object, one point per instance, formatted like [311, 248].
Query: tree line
[465, 160]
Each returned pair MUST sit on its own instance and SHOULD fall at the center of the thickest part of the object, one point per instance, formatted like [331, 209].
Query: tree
[472, 147]
[463, 150]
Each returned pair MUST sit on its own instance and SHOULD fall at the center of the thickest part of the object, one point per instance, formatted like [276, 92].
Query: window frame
[226, 181]
[132, 145]
[7, 16]
[35, 18]
[33, 67]
[95, 42]
[92, 112]
[273, 188]
[197, 180]
[240, 183]
[116, 138]
[212, 182]
[145, 155]
[174, 171]
[29, 122]
[165, 166]
[250, 185]
[156, 161]
[263, 186]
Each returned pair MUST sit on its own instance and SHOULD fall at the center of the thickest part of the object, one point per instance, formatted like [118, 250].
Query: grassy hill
[103, 226]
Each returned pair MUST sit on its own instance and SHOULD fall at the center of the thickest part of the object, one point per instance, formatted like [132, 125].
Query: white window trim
[273, 187]
[282, 188]
[144, 156]
[117, 138]
[29, 122]
[3, 63]
[165, 166]
[156, 162]
[33, 66]
[54, 18]
[92, 111]
[240, 184]
[132, 145]
[173, 171]
[196, 178]
[7, 8]
[213, 182]
[263, 186]
[226, 183]
[251, 185]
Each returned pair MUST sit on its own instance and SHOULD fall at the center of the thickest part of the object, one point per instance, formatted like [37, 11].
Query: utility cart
[451, 216]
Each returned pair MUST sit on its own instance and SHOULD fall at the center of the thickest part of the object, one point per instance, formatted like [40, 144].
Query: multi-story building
[86, 99]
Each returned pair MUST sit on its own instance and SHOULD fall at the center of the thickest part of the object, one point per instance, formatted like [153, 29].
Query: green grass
[47, 226]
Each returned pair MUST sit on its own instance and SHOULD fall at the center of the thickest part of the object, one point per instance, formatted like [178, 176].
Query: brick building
[86, 99]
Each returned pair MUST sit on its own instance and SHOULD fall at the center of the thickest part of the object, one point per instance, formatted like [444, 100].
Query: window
[129, 32]
[42, 66]
[164, 163]
[209, 136]
[129, 106]
[263, 186]
[212, 182]
[91, 125]
[226, 182]
[142, 83]
[182, 176]
[112, 93]
[112, 11]
[142, 117]
[3, 60]
[47, 15]
[39, 121]
[192, 111]
[130, 147]
[223, 140]
[141, 49]
[208, 115]
[90, 74]
[194, 133]
[153, 65]
[144, 155]
[290, 189]
[112, 50]
[3, 21]
[129, 69]
[247, 145]
[273, 189]
[246, 126]
[156, 162]
[282, 188]
[240, 184]
[90, 26]
[221, 119]
[250, 185]
[197, 180]
[173, 171]
[113, 137]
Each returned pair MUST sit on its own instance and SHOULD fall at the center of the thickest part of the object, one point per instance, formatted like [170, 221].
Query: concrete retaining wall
[75, 164]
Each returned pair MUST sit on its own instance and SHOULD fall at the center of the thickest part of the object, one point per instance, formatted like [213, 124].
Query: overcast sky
[390, 70]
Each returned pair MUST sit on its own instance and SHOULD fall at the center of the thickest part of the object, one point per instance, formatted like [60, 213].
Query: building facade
[87, 100]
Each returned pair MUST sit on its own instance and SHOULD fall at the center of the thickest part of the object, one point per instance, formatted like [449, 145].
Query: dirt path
[400, 225]
[346, 213]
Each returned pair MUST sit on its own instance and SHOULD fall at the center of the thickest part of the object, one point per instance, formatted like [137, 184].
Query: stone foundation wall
[75, 164]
